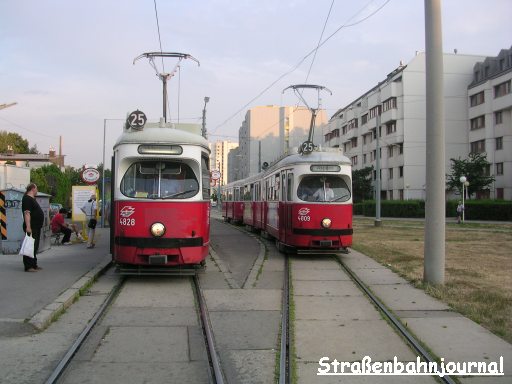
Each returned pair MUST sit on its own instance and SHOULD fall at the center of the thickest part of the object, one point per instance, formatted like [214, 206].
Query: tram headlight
[157, 229]
[326, 223]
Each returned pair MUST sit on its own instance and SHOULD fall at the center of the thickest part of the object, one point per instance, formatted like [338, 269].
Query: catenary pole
[377, 221]
[435, 222]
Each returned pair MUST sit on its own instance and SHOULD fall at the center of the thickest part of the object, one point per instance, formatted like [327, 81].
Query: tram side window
[159, 179]
[205, 172]
[323, 188]
[289, 196]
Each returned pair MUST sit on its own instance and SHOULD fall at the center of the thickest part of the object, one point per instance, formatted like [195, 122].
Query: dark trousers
[67, 234]
[29, 262]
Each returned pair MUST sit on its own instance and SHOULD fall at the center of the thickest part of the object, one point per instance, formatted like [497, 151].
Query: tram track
[68, 356]
[215, 374]
[285, 361]
[412, 341]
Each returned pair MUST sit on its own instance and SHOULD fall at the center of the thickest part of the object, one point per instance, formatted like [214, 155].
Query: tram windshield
[159, 180]
[323, 188]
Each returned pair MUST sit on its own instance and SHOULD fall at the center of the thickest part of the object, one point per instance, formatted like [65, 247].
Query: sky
[69, 64]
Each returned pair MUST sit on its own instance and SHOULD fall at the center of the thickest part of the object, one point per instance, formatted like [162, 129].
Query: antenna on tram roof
[165, 76]
[308, 146]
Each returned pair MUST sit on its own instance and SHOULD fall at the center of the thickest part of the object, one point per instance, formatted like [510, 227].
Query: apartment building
[490, 119]
[268, 132]
[219, 158]
[399, 102]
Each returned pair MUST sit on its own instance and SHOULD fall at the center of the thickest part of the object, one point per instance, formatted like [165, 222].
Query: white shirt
[89, 209]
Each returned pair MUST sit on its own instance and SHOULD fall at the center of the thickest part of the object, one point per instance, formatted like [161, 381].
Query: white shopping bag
[27, 246]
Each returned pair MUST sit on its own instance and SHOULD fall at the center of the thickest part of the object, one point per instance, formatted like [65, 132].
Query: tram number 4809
[127, 222]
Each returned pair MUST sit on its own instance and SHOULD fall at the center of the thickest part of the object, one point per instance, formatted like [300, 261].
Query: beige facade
[219, 158]
[268, 132]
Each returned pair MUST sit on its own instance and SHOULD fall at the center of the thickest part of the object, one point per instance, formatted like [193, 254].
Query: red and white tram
[304, 201]
[161, 197]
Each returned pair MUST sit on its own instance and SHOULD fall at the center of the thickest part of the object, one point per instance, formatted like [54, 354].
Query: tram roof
[157, 133]
[325, 155]
[322, 156]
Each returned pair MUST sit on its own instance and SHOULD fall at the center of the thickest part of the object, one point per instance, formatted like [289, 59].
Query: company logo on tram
[127, 211]
[304, 211]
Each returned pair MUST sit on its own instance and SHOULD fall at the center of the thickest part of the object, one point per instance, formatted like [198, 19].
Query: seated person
[59, 225]
[324, 194]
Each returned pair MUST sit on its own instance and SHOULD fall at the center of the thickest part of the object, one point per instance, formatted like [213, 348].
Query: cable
[159, 39]
[27, 129]
[319, 41]
[303, 59]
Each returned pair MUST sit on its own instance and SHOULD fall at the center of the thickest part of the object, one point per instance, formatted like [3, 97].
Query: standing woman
[33, 219]
[91, 210]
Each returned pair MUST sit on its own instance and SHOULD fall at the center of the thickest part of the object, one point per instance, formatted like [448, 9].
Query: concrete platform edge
[45, 316]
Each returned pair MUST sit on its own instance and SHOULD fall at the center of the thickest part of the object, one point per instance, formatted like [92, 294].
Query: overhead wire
[303, 59]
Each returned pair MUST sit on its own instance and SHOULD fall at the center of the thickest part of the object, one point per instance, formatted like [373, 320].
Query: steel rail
[212, 353]
[284, 360]
[57, 372]
[394, 321]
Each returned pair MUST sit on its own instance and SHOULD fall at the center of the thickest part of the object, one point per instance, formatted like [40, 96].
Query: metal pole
[378, 221]
[103, 176]
[435, 221]
[204, 121]
[463, 195]
[164, 96]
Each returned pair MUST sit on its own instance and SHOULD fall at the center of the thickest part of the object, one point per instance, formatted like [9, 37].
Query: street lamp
[465, 183]
[206, 99]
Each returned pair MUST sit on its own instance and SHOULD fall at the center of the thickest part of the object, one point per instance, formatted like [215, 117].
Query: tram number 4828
[127, 222]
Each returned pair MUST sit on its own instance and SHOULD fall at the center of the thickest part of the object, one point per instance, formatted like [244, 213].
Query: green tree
[51, 180]
[16, 142]
[475, 168]
[362, 184]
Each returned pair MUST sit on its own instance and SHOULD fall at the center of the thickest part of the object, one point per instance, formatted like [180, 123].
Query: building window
[390, 194]
[499, 168]
[354, 160]
[390, 151]
[390, 127]
[498, 117]
[502, 89]
[499, 193]
[364, 139]
[401, 194]
[364, 119]
[478, 146]
[353, 142]
[352, 124]
[401, 171]
[499, 143]
[476, 99]
[389, 104]
[364, 158]
[374, 111]
[344, 129]
[345, 146]
[477, 122]
[390, 173]
[486, 171]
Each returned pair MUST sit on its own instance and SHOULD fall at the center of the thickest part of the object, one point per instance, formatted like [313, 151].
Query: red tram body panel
[304, 201]
[161, 197]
